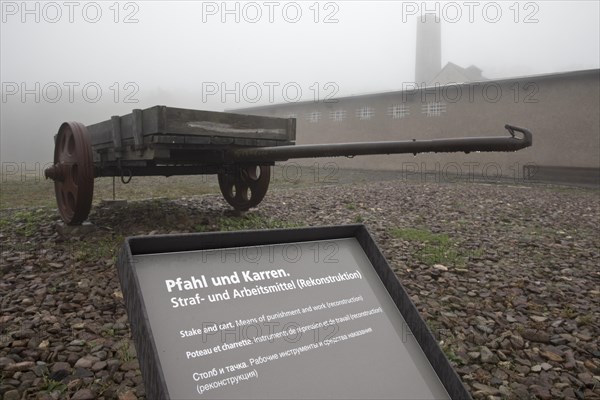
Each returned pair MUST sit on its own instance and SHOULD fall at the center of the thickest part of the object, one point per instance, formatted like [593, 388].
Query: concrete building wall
[561, 110]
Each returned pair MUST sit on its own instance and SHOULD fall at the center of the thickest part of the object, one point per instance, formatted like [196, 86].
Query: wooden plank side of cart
[160, 124]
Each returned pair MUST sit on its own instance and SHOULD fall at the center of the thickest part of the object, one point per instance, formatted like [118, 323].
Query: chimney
[429, 48]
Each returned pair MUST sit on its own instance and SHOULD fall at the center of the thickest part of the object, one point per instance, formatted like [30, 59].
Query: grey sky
[183, 54]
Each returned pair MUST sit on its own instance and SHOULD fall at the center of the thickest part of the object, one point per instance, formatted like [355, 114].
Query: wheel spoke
[69, 185]
[241, 192]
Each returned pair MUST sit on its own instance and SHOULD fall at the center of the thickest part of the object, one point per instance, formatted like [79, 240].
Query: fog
[86, 61]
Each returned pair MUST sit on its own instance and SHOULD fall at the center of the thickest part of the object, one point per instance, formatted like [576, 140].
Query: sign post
[281, 314]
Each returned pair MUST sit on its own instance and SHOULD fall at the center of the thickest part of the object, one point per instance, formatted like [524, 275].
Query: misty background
[90, 60]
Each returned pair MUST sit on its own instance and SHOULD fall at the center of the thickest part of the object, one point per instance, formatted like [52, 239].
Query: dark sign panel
[277, 315]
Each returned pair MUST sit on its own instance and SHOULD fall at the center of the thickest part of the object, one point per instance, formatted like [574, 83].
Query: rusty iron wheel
[246, 186]
[73, 172]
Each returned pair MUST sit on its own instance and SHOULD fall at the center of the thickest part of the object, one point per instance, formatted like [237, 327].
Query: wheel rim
[245, 186]
[73, 173]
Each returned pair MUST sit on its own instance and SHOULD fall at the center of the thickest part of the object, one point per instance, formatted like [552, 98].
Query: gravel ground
[507, 278]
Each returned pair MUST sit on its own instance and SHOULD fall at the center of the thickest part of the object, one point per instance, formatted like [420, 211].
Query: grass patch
[420, 235]
[569, 313]
[585, 320]
[110, 332]
[30, 192]
[26, 222]
[435, 248]
[145, 187]
[252, 221]
[96, 250]
[451, 355]
[31, 189]
[125, 353]
[351, 206]
[50, 385]
[4, 223]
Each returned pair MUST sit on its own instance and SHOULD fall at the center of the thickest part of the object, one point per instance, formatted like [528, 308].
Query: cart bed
[178, 126]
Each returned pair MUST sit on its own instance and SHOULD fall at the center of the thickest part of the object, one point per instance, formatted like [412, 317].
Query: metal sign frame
[150, 365]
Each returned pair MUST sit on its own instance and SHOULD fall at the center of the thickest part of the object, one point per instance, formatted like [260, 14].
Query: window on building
[314, 116]
[365, 113]
[337, 115]
[434, 109]
[398, 111]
